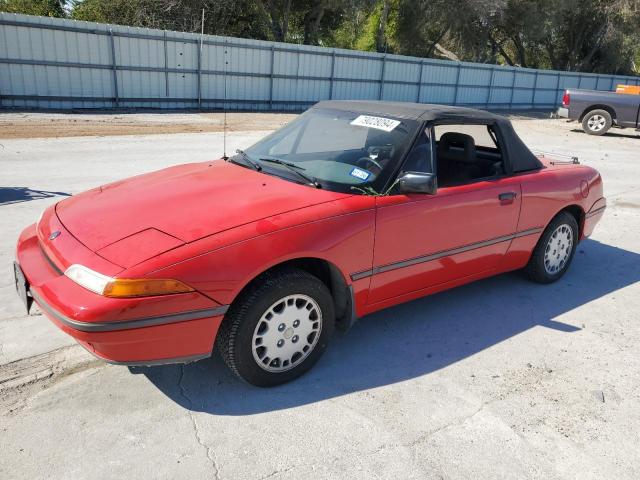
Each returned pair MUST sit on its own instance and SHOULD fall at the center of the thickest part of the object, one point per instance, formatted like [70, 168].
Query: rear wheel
[597, 122]
[278, 329]
[555, 249]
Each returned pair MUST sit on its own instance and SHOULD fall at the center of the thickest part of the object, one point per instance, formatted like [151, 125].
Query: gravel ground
[498, 379]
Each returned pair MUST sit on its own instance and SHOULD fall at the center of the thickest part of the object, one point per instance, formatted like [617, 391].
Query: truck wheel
[554, 251]
[277, 329]
[597, 122]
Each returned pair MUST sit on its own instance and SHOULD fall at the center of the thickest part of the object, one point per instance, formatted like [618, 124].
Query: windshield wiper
[248, 160]
[295, 169]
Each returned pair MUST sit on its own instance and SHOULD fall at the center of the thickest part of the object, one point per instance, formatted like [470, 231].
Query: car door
[426, 240]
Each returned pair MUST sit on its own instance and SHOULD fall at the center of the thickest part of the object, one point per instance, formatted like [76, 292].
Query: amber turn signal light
[124, 288]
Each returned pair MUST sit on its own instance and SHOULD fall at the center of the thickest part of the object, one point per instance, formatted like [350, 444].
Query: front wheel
[277, 329]
[553, 254]
[597, 122]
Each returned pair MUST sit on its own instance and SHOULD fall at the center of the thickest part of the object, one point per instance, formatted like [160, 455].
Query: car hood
[180, 204]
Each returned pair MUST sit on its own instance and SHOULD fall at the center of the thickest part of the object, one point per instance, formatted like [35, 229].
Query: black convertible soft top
[518, 154]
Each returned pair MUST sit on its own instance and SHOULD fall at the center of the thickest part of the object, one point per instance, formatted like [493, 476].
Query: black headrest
[465, 147]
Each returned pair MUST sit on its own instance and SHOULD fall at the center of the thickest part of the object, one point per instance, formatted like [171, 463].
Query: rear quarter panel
[544, 194]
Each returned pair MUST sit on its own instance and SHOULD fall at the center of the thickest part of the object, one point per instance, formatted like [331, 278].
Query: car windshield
[335, 149]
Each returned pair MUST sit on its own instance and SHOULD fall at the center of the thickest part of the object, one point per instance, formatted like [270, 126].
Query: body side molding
[445, 253]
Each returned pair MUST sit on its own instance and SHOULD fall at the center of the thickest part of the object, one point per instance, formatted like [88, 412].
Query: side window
[479, 133]
[467, 153]
[420, 158]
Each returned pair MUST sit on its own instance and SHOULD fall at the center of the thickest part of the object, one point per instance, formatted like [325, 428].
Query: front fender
[345, 240]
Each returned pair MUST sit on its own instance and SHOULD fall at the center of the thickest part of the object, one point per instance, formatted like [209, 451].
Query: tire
[543, 268]
[263, 322]
[597, 122]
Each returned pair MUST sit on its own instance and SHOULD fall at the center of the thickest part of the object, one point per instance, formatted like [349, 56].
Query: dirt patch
[30, 374]
[52, 125]
[106, 123]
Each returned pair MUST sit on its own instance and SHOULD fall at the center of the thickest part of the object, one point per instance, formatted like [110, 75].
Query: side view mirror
[418, 182]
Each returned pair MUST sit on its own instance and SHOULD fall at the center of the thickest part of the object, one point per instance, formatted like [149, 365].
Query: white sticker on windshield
[361, 174]
[380, 123]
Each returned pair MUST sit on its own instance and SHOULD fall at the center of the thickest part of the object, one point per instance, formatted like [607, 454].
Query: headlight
[121, 287]
[87, 278]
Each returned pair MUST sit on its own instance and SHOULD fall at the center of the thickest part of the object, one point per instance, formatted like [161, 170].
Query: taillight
[566, 99]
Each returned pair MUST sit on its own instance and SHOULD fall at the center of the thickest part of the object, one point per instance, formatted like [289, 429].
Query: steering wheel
[369, 160]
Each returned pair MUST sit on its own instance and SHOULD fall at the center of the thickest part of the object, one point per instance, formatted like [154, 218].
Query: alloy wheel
[596, 123]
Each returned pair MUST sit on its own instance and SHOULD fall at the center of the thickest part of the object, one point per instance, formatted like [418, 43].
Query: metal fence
[63, 64]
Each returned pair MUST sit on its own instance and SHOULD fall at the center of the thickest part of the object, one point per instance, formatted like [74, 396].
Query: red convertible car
[351, 208]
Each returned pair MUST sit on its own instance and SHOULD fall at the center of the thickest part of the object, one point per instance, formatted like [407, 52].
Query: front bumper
[135, 331]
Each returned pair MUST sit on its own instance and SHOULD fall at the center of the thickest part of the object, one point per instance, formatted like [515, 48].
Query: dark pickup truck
[598, 111]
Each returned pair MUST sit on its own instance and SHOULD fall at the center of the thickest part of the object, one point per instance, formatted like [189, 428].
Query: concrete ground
[498, 379]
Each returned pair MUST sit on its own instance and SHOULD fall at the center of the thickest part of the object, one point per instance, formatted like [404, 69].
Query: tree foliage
[585, 35]
[43, 8]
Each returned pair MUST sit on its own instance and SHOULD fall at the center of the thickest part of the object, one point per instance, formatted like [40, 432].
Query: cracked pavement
[498, 379]
[207, 448]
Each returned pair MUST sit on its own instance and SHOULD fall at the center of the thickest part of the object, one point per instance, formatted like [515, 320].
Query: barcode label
[379, 123]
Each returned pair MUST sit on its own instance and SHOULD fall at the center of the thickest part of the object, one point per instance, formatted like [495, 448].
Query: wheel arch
[577, 212]
[328, 273]
[607, 108]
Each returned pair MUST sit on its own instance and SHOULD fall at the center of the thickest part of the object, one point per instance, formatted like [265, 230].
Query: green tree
[279, 14]
[586, 35]
[379, 33]
[239, 18]
[355, 18]
[44, 8]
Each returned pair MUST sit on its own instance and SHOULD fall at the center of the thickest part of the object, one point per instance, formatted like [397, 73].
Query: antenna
[201, 29]
[224, 104]
[200, 63]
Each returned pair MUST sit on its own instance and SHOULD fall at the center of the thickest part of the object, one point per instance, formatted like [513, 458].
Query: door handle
[507, 197]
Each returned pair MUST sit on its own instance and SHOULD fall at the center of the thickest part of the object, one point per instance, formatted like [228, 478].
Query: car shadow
[411, 340]
[24, 194]
[612, 133]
